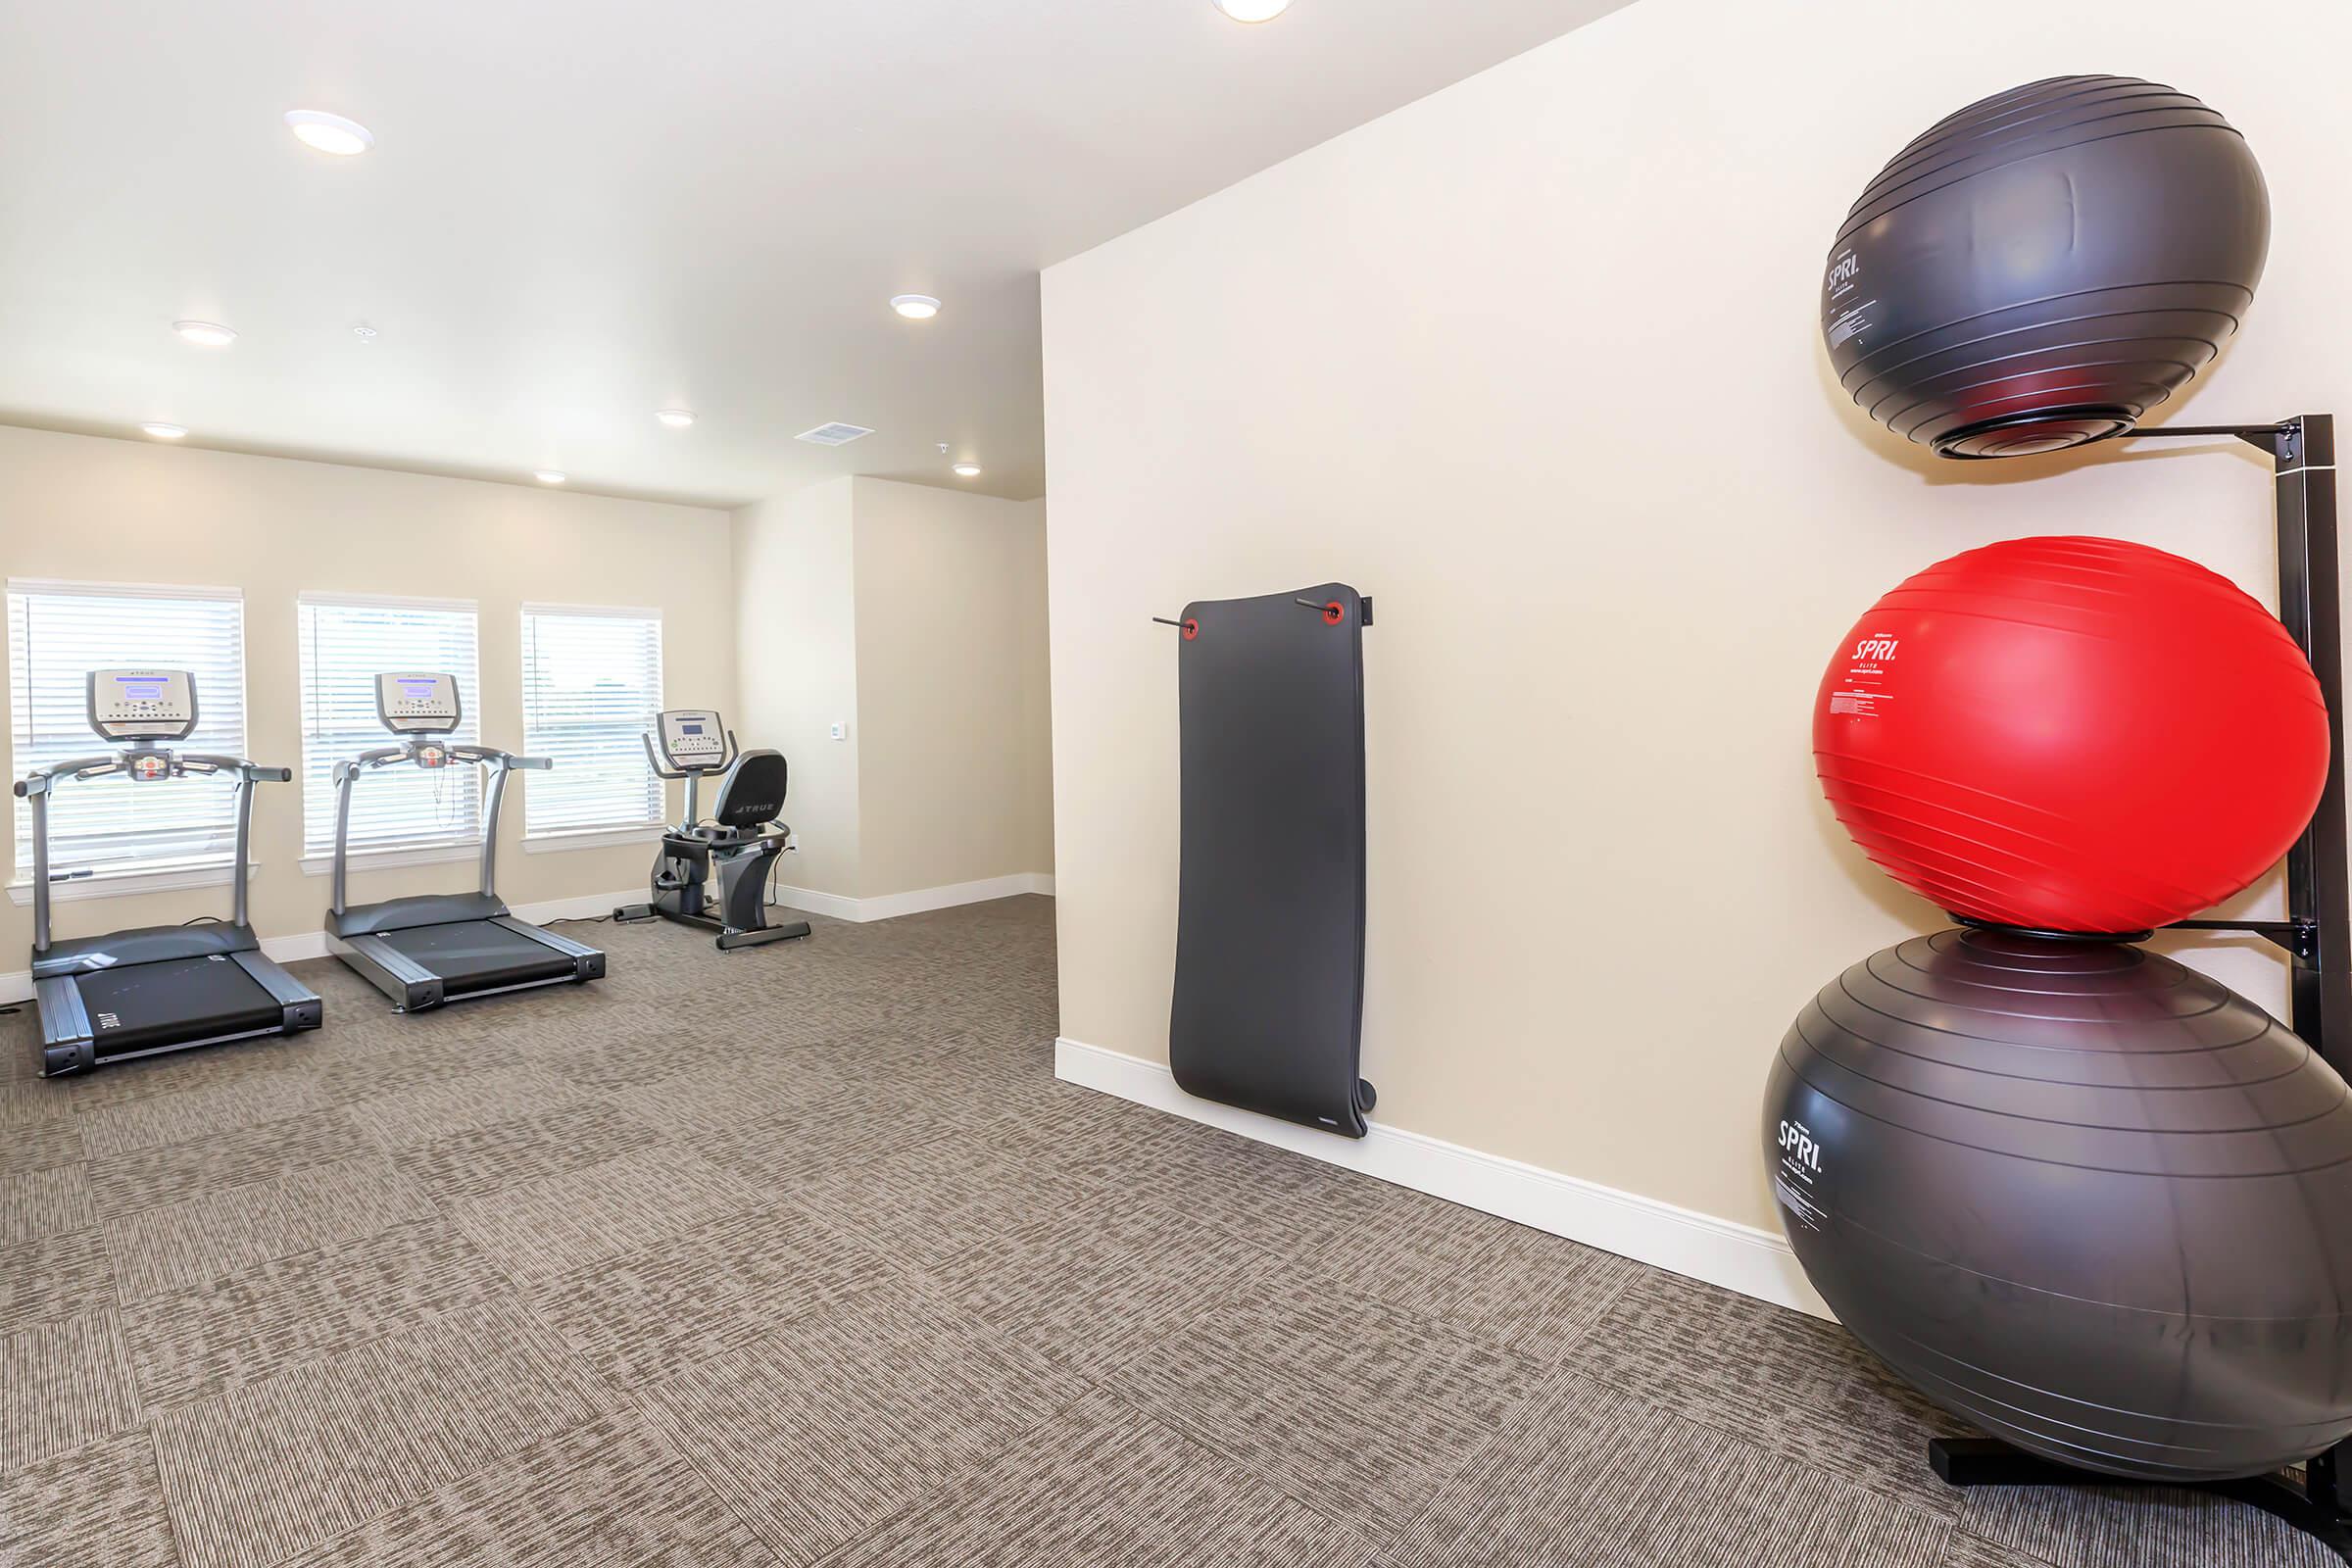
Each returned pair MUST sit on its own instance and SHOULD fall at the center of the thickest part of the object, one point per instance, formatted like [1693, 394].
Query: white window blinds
[58, 633]
[347, 641]
[591, 686]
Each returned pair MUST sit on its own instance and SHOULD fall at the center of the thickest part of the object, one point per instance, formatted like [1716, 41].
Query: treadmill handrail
[252, 772]
[380, 756]
[41, 780]
[500, 763]
[38, 785]
[183, 764]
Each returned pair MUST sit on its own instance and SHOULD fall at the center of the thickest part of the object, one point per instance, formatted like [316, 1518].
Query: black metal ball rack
[2317, 935]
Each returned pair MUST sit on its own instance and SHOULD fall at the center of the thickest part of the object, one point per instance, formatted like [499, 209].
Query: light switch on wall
[841, 732]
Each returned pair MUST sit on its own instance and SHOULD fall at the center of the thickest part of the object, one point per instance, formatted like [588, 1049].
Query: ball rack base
[2312, 1504]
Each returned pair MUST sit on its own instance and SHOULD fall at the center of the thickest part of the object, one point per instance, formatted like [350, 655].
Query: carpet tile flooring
[800, 1257]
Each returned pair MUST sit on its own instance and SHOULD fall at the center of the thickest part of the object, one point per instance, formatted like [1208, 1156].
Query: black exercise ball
[2042, 267]
[2080, 1196]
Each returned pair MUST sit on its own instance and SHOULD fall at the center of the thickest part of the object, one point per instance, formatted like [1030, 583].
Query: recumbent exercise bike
[741, 840]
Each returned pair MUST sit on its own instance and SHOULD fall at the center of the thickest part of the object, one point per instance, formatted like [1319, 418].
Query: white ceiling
[579, 210]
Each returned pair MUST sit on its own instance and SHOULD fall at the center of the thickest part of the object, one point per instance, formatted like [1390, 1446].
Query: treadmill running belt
[479, 955]
[140, 1006]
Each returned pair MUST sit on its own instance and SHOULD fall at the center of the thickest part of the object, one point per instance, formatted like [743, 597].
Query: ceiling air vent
[836, 434]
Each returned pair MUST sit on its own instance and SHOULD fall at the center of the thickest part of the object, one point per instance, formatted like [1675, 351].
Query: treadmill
[153, 989]
[436, 948]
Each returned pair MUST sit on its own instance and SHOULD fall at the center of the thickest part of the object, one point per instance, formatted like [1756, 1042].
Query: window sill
[127, 884]
[392, 859]
[600, 838]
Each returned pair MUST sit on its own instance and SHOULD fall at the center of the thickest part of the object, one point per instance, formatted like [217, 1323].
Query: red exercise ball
[2071, 735]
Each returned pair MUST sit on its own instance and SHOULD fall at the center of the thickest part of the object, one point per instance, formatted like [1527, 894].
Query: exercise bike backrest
[752, 795]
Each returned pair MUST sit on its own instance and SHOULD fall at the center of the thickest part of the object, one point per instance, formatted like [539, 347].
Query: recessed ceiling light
[1252, 10]
[363, 331]
[211, 335]
[675, 419]
[967, 470]
[915, 307]
[164, 432]
[550, 475]
[329, 133]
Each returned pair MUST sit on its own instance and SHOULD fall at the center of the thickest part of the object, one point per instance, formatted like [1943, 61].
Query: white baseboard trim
[889, 905]
[295, 949]
[810, 901]
[17, 984]
[1739, 1258]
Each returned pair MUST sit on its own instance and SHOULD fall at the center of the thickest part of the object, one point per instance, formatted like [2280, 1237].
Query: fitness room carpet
[801, 1256]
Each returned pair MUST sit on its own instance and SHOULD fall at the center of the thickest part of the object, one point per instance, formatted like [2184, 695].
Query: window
[58, 632]
[347, 641]
[591, 686]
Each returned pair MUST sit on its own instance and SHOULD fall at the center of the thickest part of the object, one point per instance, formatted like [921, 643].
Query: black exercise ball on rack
[2042, 267]
[2079, 1195]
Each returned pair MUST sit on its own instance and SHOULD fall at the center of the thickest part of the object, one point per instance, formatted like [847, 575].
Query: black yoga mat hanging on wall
[1269, 1000]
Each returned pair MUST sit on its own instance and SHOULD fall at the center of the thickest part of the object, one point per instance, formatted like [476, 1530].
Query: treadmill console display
[411, 704]
[693, 737]
[142, 704]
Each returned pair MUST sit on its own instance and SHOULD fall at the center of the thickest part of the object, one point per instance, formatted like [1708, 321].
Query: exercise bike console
[690, 739]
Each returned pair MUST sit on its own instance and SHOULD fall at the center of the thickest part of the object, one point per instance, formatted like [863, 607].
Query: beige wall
[796, 620]
[952, 685]
[1536, 363]
[915, 616]
[84, 507]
